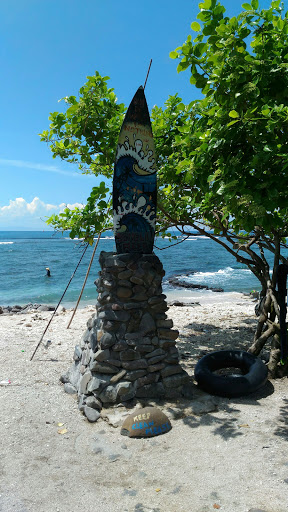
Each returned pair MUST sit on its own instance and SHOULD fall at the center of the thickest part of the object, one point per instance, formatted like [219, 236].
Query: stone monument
[128, 351]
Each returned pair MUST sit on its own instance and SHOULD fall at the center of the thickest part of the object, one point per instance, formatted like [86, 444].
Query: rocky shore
[27, 308]
[177, 281]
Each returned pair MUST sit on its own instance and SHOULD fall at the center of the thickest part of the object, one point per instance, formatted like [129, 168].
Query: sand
[221, 454]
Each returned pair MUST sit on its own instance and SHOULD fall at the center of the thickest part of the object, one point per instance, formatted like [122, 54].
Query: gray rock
[90, 323]
[41, 308]
[68, 388]
[140, 297]
[91, 414]
[156, 359]
[84, 380]
[104, 367]
[119, 316]
[136, 280]
[156, 299]
[91, 401]
[125, 390]
[97, 383]
[125, 274]
[108, 395]
[156, 352]
[114, 361]
[204, 405]
[118, 376]
[156, 367]
[147, 324]
[161, 307]
[148, 379]
[188, 390]
[73, 374]
[111, 326]
[139, 289]
[93, 341]
[168, 334]
[145, 349]
[107, 259]
[77, 353]
[117, 307]
[173, 392]
[166, 343]
[85, 357]
[81, 402]
[174, 381]
[120, 345]
[86, 335]
[116, 417]
[171, 369]
[167, 323]
[101, 355]
[129, 355]
[107, 284]
[137, 340]
[134, 305]
[64, 378]
[107, 340]
[124, 293]
[135, 374]
[155, 390]
[125, 283]
[257, 510]
[135, 365]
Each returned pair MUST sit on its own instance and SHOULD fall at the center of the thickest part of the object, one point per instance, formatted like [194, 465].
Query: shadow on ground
[219, 413]
[282, 427]
[196, 339]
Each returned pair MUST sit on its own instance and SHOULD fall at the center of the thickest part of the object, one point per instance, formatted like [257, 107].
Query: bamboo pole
[147, 74]
[86, 277]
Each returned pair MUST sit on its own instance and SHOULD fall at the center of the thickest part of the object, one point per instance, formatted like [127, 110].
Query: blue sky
[47, 50]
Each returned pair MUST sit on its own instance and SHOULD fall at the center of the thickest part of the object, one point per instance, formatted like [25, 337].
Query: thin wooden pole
[86, 277]
[147, 74]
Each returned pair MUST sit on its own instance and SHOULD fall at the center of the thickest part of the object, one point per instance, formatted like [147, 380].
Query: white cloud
[20, 212]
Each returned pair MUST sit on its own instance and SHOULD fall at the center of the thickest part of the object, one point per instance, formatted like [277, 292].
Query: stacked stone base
[128, 350]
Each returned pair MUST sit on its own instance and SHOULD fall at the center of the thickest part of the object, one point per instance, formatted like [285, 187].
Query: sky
[47, 50]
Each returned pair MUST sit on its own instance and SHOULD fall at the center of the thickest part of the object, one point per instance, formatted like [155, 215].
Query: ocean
[24, 255]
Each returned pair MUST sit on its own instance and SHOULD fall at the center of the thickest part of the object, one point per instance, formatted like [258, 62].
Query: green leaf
[247, 7]
[233, 114]
[233, 122]
[199, 49]
[206, 4]
[173, 55]
[196, 27]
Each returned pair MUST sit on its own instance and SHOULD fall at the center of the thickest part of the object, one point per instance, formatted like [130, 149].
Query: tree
[222, 158]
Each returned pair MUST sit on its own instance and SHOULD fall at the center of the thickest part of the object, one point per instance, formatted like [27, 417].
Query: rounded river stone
[146, 422]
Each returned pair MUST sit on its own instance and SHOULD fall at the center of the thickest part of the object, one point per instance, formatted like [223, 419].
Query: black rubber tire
[255, 373]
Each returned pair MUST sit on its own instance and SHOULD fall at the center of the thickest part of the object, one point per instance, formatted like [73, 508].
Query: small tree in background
[222, 159]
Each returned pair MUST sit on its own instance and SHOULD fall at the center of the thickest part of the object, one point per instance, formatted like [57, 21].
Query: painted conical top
[138, 110]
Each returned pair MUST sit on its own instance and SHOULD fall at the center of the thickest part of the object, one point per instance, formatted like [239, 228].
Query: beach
[226, 454]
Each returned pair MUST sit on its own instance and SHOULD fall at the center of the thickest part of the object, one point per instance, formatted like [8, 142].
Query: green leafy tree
[222, 159]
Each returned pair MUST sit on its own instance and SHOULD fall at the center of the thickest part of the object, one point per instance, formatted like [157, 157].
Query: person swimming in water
[48, 272]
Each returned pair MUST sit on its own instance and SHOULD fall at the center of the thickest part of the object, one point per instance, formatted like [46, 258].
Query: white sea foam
[6, 243]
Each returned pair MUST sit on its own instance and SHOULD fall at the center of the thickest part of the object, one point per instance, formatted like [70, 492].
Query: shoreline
[180, 295]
